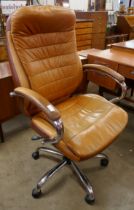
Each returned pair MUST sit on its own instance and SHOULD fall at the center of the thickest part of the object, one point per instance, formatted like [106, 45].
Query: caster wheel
[89, 199]
[104, 162]
[36, 193]
[35, 155]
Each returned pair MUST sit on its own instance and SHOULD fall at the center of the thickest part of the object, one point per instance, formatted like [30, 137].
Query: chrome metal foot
[36, 138]
[48, 150]
[104, 160]
[101, 155]
[36, 193]
[35, 155]
[90, 198]
[46, 176]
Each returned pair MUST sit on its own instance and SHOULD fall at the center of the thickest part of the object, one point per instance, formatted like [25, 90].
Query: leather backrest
[42, 50]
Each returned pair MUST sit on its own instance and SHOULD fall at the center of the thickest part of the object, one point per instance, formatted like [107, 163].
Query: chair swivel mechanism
[47, 70]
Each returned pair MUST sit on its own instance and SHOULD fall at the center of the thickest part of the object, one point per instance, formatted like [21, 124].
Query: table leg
[1, 134]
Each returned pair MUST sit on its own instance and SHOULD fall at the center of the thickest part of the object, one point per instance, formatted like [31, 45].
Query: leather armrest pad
[105, 70]
[38, 100]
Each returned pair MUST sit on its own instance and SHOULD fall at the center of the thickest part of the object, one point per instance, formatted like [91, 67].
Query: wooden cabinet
[99, 26]
[3, 52]
[125, 24]
[84, 30]
[120, 58]
[8, 105]
[103, 61]
[101, 79]
[126, 72]
[100, 21]
[100, 5]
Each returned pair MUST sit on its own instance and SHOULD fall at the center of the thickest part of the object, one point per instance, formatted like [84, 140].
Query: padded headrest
[44, 18]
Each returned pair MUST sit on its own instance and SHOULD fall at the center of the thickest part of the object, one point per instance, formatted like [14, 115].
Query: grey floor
[113, 186]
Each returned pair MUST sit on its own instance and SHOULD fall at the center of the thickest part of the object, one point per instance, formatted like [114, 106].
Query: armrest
[39, 101]
[118, 78]
[52, 114]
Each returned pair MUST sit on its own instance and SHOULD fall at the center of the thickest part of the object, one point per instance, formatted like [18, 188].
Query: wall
[79, 4]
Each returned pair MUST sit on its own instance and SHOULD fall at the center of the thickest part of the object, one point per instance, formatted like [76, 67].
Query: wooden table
[128, 45]
[8, 107]
[120, 58]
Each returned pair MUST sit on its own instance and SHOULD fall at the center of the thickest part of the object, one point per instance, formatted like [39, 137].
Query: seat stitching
[50, 70]
[53, 44]
[56, 81]
[49, 58]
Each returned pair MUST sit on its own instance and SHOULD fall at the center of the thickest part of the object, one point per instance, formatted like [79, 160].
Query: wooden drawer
[83, 37]
[85, 47]
[3, 51]
[3, 54]
[84, 34]
[102, 61]
[126, 71]
[84, 43]
[84, 24]
[101, 79]
[83, 31]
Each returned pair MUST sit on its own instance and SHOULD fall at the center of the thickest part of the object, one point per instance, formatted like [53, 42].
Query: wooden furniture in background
[131, 10]
[115, 39]
[84, 31]
[120, 58]
[90, 32]
[59, 2]
[100, 5]
[8, 105]
[129, 45]
[101, 57]
[99, 26]
[3, 52]
[125, 24]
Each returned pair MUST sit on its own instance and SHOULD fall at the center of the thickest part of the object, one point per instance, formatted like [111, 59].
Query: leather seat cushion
[91, 123]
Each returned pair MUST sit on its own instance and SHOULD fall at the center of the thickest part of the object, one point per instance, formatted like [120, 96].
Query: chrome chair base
[89, 198]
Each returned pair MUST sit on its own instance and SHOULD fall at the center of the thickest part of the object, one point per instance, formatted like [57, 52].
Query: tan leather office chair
[46, 69]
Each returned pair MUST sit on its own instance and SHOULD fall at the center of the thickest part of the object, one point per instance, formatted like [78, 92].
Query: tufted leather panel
[19, 76]
[91, 123]
[43, 57]
[47, 51]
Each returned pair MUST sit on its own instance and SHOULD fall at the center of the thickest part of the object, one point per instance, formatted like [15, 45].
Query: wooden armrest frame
[104, 70]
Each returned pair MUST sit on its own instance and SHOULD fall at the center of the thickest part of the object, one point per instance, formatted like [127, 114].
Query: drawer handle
[132, 72]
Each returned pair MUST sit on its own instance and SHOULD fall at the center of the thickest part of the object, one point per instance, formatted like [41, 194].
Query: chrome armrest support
[13, 94]
[106, 71]
[55, 122]
[123, 92]
[58, 125]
